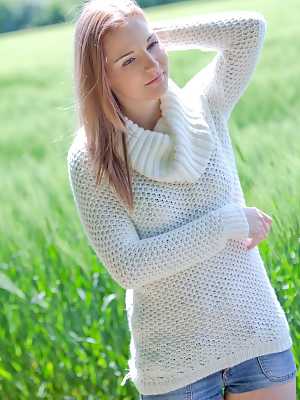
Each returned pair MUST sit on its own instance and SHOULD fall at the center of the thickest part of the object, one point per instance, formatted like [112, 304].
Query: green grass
[63, 330]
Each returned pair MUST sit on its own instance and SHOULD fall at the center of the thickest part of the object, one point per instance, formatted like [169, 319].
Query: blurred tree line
[20, 14]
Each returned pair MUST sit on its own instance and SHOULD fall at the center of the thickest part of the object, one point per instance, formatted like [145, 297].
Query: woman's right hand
[259, 225]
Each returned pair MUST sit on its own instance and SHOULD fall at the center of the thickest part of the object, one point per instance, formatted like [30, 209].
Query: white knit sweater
[197, 300]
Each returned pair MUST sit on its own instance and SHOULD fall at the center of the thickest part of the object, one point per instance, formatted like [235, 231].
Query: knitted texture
[197, 299]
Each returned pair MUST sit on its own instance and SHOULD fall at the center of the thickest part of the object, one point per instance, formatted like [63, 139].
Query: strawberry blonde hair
[98, 109]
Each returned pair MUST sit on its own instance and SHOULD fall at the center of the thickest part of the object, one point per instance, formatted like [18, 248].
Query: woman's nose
[151, 63]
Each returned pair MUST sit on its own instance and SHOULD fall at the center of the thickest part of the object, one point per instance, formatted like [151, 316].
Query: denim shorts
[256, 373]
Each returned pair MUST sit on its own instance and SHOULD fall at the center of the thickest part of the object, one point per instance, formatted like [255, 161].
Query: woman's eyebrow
[124, 55]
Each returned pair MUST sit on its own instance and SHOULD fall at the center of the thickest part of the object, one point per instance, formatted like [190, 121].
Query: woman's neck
[146, 117]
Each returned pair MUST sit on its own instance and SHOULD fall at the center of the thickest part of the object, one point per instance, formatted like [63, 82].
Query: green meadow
[63, 328]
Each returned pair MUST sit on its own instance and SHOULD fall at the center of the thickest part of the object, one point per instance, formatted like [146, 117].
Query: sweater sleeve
[133, 261]
[237, 36]
[237, 192]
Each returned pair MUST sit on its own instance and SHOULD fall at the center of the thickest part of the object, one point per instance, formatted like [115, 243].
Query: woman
[155, 183]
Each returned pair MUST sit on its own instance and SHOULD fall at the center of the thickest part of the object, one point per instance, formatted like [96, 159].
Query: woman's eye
[155, 42]
[151, 45]
[126, 62]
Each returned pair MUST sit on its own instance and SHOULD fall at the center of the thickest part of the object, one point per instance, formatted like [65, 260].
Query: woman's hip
[258, 372]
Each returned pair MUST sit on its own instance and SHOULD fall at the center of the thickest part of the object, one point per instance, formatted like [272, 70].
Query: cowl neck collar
[180, 145]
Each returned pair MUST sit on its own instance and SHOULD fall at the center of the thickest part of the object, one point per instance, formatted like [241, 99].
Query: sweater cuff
[235, 222]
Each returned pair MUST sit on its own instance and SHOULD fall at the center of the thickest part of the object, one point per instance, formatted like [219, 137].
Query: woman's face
[129, 73]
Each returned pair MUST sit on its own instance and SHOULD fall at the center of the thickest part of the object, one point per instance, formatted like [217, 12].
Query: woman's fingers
[266, 222]
[266, 225]
[252, 242]
[266, 217]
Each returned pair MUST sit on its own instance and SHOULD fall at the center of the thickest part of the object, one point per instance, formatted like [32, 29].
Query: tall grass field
[63, 328]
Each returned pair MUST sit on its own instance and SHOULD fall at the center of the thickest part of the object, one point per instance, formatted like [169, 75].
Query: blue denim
[256, 373]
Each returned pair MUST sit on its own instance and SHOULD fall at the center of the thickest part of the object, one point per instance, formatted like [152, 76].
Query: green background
[63, 328]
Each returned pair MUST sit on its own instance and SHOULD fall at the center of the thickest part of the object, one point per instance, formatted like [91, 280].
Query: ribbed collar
[180, 145]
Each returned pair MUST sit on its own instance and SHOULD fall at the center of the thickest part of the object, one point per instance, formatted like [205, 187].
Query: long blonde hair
[98, 109]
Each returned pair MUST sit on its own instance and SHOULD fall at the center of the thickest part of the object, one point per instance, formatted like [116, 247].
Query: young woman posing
[155, 182]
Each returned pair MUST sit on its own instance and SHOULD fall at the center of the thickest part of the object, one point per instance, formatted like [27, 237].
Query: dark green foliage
[20, 14]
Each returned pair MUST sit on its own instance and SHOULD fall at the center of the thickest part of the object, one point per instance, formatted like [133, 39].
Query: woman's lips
[158, 78]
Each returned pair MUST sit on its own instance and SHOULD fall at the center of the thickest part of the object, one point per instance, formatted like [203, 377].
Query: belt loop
[224, 376]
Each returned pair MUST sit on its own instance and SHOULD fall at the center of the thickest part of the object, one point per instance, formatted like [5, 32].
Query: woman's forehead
[124, 38]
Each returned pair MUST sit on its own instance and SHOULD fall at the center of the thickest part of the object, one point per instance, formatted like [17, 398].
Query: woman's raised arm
[237, 36]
